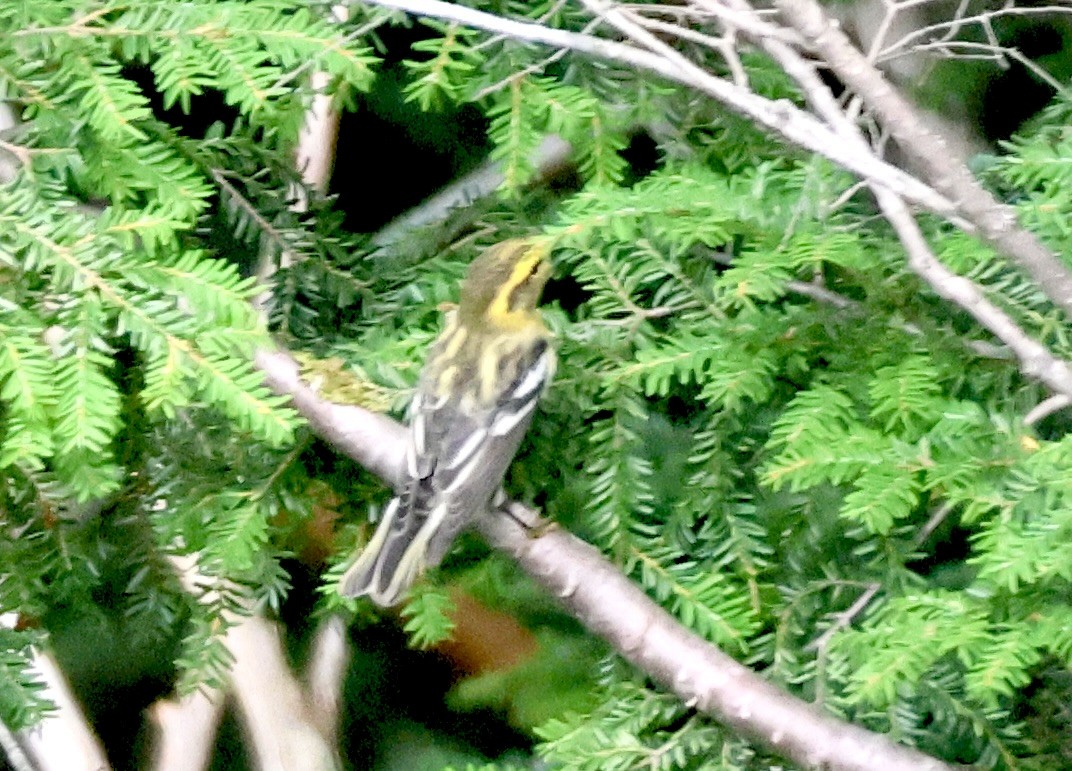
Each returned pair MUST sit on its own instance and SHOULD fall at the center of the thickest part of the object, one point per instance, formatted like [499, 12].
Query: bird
[474, 401]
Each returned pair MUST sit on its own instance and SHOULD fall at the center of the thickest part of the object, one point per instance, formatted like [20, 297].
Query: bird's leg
[535, 525]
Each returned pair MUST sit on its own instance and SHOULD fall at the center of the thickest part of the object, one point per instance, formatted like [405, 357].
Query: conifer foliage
[761, 415]
[127, 335]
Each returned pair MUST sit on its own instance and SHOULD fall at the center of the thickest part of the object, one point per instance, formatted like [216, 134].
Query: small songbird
[474, 402]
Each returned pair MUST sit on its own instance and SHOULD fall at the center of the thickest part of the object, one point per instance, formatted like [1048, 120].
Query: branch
[1036, 361]
[63, 740]
[982, 348]
[282, 728]
[611, 606]
[995, 221]
[326, 674]
[1046, 407]
[186, 730]
[285, 732]
[938, 32]
[780, 116]
[551, 156]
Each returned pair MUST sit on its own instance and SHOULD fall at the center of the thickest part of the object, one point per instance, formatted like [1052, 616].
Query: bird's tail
[392, 560]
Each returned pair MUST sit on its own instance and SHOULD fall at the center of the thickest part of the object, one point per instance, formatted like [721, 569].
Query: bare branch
[1047, 407]
[284, 733]
[750, 23]
[725, 46]
[937, 518]
[1036, 360]
[780, 116]
[63, 740]
[964, 49]
[844, 618]
[325, 674]
[982, 348]
[945, 31]
[186, 730]
[995, 221]
[550, 157]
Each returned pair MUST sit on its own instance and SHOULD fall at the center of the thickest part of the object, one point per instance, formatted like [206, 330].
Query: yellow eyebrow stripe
[500, 306]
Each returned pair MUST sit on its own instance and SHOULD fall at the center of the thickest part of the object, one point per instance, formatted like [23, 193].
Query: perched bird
[473, 405]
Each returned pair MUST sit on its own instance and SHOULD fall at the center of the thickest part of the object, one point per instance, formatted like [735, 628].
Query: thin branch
[995, 221]
[725, 46]
[981, 348]
[844, 618]
[514, 77]
[780, 116]
[1047, 407]
[821, 644]
[552, 154]
[936, 519]
[948, 29]
[1036, 360]
[751, 23]
[64, 739]
[991, 52]
[532, 68]
[350, 37]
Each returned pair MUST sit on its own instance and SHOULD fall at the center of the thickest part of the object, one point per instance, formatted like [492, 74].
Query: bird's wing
[467, 452]
[455, 461]
[461, 454]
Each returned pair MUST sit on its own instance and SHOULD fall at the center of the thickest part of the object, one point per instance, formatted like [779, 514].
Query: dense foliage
[788, 440]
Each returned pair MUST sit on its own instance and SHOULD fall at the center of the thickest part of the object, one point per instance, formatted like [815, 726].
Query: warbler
[474, 402]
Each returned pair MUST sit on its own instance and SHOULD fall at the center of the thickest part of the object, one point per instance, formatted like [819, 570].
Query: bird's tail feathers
[394, 558]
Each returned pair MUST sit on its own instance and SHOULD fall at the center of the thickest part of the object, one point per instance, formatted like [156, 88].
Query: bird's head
[503, 285]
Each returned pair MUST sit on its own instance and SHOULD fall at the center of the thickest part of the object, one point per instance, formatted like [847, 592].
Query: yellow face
[504, 283]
